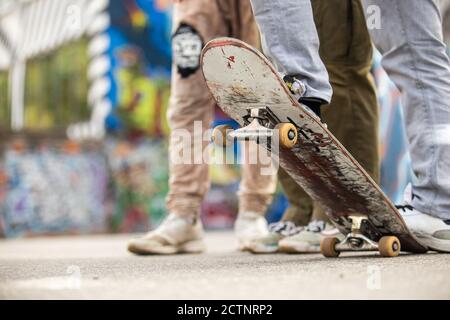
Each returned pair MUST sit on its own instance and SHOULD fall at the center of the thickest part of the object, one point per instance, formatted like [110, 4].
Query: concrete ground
[98, 267]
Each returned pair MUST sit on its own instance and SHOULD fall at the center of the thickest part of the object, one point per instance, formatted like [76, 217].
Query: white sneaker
[175, 235]
[432, 232]
[269, 243]
[308, 240]
[249, 226]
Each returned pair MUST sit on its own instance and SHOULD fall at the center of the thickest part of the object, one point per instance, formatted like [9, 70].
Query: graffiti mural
[140, 55]
[139, 175]
[52, 189]
[121, 184]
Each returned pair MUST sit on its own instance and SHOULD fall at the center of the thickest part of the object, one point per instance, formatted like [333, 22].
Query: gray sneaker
[269, 242]
[308, 240]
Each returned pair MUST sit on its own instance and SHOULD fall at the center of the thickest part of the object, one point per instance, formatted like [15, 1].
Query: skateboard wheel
[328, 247]
[287, 134]
[220, 137]
[389, 246]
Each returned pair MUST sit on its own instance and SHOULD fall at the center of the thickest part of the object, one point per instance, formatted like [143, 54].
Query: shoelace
[316, 226]
[404, 207]
[285, 228]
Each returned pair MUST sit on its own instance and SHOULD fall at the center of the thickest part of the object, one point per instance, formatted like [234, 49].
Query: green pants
[352, 116]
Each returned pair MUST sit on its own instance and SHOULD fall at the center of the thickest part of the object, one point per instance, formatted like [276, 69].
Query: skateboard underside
[247, 87]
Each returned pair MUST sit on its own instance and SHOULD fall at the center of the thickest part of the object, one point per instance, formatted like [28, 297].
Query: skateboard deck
[247, 87]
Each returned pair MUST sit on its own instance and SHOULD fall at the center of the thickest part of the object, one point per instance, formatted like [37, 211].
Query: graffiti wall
[140, 56]
[139, 177]
[120, 185]
[50, 188]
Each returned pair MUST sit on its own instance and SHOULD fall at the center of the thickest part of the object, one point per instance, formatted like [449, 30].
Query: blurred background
[84, 88]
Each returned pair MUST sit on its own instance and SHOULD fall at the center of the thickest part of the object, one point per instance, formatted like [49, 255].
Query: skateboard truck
[356, 240]
[260, 127]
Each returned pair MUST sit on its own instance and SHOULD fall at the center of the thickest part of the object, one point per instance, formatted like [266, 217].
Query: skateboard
[247, 87]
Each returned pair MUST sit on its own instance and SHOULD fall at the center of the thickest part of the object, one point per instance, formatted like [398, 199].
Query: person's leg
[257, 185]
[352, 116]
[415, 58]
[256, 189]
[414, 55]
[258, 180]
[191, 104]
[190, 114]
[300, 207]
[290, 40]
[294, 218]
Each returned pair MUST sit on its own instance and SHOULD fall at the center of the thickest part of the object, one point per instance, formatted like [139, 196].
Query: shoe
[308, 240]
[249, 226]
[269, 243]
[432, 232]
[175, 235]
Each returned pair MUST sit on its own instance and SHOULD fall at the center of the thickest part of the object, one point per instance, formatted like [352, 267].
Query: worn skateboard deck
[240, 78]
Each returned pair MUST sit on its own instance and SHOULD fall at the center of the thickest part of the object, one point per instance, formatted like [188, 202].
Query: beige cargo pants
[191, 108]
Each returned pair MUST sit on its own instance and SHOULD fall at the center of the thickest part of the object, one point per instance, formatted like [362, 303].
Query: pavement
[99, 267]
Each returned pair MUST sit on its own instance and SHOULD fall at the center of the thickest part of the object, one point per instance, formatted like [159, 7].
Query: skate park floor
[99, 267]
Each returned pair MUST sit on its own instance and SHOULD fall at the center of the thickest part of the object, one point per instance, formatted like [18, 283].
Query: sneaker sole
[248, 246]
[262, 249]
[434, 244]
[298, 248]
[195, 246]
